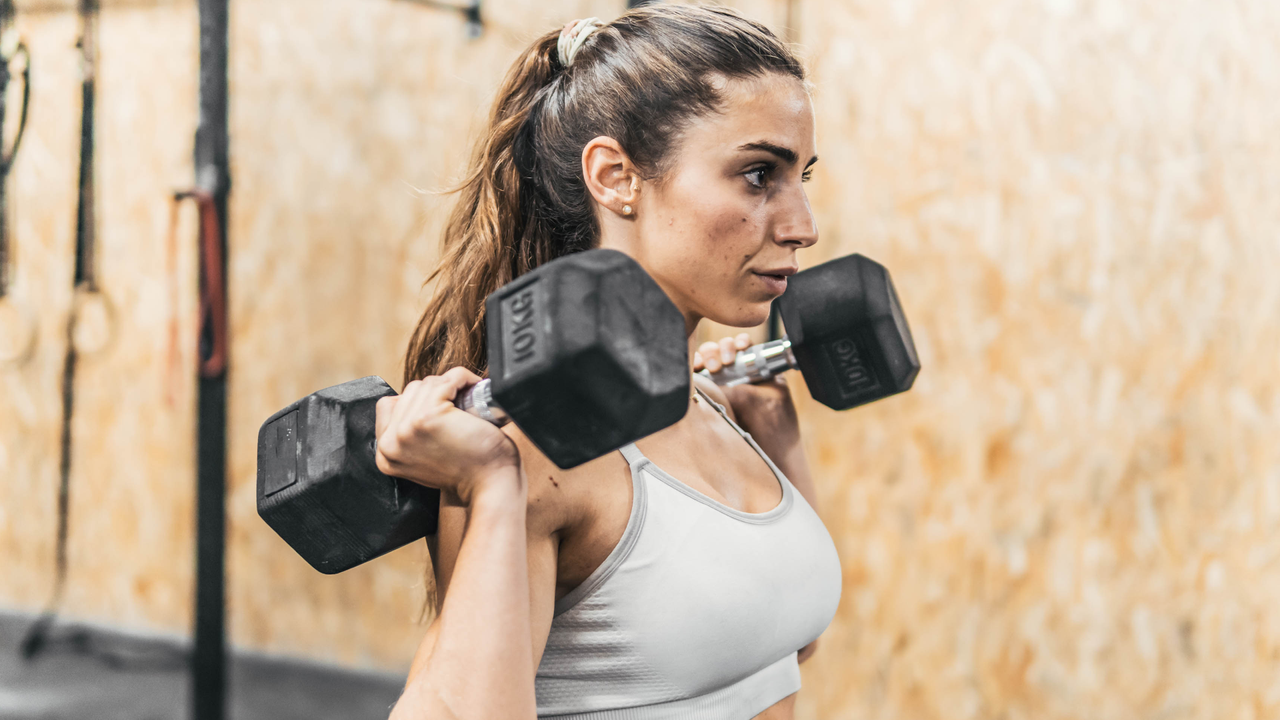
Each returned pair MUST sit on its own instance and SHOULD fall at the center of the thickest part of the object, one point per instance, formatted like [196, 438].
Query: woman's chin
[742, 318]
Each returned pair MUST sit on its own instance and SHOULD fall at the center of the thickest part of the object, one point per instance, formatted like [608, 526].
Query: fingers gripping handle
[756, 363]
[478, 400]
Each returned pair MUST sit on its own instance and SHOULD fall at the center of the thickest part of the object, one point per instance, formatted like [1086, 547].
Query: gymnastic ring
[21, 352]
[79, 303]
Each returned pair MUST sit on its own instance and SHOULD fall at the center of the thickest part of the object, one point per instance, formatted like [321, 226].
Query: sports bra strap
[720, 409]
[632, 454]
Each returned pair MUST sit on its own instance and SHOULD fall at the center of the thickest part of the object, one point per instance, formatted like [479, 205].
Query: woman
[684, 576]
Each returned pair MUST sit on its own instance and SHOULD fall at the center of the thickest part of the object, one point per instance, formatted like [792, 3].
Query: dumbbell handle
[756, 363]
[478, 400]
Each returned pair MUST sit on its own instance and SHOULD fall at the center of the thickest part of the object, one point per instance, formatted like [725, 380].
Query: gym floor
[94, 674]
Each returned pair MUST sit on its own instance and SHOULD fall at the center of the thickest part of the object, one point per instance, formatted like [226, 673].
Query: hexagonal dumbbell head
[318, 486]
[587, 354]
[848, 333]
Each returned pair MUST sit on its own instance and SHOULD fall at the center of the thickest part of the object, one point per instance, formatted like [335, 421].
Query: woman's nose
[796, 226]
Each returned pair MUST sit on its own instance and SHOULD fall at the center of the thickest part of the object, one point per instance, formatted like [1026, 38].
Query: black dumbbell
[586, 354]
[845, 332]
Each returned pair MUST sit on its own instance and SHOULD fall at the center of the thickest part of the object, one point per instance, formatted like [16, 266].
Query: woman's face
[721, 229]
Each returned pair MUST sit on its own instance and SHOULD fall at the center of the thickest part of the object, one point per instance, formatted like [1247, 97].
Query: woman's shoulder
[560, 499]
[713, 391]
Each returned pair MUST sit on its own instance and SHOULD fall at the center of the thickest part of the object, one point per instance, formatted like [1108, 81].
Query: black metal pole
[209, 654]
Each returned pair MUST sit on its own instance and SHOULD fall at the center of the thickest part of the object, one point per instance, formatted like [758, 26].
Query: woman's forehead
[774, 109]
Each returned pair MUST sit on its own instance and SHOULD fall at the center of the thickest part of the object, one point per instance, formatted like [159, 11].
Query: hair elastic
[573, 36]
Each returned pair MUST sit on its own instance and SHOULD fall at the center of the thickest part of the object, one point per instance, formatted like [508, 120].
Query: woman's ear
[611, 178]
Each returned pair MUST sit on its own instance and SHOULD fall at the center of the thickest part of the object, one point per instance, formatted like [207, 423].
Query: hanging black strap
[84, 281]
[85, 277]
[11, 47]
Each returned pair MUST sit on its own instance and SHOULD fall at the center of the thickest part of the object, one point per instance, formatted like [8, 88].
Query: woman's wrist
[498, 488]
[767, 411]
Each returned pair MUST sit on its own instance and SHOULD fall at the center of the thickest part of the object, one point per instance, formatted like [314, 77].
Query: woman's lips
[777, 284]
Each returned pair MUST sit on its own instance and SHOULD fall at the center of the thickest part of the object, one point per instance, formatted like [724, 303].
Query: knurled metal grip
[756, 363]
[479, 402]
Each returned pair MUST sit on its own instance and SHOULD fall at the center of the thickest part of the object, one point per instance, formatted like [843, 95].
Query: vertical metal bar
[209, 654]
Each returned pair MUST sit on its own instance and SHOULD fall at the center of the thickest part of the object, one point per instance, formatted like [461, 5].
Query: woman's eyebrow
[785, 154]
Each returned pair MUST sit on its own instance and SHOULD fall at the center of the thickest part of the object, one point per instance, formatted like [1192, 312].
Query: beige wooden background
[1070, 516]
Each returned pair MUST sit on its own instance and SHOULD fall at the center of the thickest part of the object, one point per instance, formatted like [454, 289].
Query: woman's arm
[475, 660]
[541, 521]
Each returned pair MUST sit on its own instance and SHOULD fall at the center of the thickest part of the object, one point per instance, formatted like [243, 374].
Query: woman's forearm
[480, 665]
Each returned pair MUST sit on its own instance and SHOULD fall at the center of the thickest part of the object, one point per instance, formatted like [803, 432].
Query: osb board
[130, 543]
[1071, 514]
[1067, 517]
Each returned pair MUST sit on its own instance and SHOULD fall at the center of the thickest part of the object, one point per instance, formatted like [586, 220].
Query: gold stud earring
[626, 209]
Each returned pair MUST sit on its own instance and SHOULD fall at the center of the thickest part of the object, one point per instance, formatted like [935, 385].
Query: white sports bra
[696, 613]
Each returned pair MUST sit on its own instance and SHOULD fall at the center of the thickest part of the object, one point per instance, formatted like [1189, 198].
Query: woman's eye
[759, 177]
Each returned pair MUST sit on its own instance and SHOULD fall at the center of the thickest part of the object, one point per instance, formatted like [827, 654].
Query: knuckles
[421, 426]
[388, 454]
[420, 441]
[383, 464]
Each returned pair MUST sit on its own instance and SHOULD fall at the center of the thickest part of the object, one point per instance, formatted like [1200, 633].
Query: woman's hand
[762, 409]
[424, 437]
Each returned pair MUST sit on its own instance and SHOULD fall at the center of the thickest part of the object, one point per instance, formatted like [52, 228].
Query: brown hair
[639, 80]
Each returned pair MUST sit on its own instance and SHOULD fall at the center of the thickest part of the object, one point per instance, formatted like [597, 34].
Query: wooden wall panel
[130, 543]
[1068, 517]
